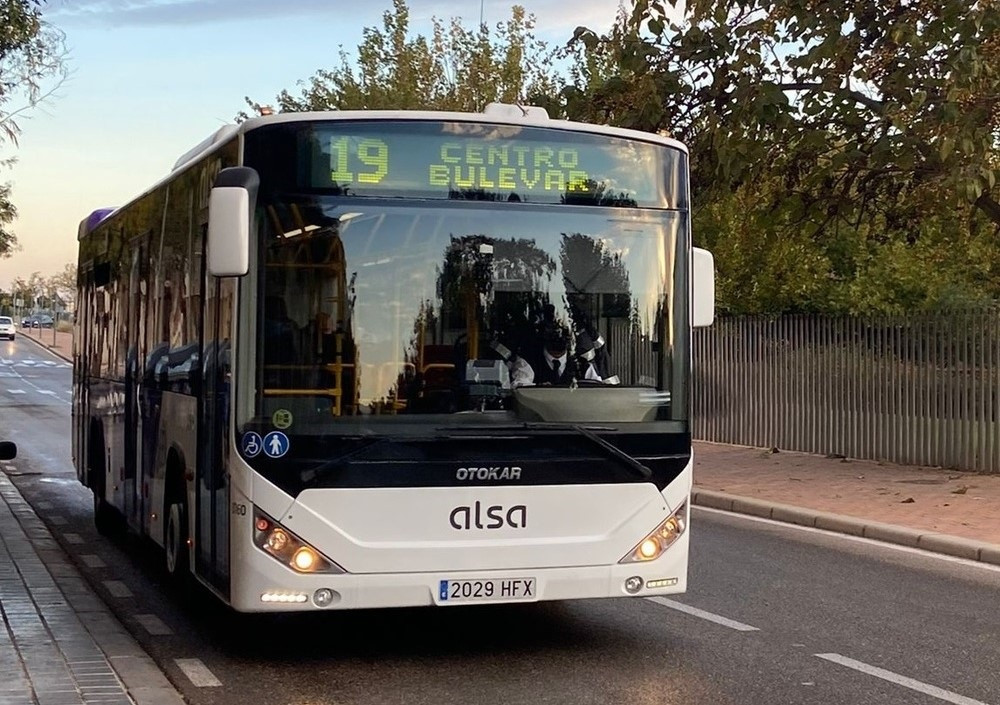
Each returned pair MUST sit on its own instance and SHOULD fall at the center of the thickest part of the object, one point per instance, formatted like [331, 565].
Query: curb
[142, 681]
[957, 546]
[36, 341]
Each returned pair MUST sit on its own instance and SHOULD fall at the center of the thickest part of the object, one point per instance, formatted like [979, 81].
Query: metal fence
[921, 389]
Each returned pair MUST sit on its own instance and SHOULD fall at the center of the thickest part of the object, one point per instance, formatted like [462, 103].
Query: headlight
[282, 545]
[659, 539]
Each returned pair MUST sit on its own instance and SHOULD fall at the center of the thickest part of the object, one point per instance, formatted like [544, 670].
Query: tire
[106, 519]
[175, 536]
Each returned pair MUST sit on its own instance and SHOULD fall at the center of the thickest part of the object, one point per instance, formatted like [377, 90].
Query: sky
[152, 78]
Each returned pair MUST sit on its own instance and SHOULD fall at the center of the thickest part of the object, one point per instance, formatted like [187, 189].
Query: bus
[340, 360]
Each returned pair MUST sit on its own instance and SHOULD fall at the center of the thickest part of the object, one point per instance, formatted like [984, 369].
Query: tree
[454, 69]
[32, 67]
[64, 284]
[845, 138]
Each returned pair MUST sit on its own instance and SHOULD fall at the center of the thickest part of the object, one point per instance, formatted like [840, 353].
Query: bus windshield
[395, 316]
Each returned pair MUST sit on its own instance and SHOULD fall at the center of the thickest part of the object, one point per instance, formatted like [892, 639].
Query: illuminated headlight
[659, 539]
[282, 545]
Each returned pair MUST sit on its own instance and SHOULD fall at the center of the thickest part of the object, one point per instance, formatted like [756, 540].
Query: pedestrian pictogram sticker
[276, 444]
[252, 444]
[282, 418]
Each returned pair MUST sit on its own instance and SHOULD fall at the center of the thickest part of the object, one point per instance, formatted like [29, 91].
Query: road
[774, 614]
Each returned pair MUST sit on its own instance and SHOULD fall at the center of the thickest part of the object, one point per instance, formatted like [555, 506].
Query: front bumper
[380, 590]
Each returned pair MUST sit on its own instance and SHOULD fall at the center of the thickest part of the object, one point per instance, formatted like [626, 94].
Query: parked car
[7, 329]
[38, 320]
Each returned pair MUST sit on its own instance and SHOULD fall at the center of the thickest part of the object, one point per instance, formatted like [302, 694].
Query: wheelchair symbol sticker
[252, 444]
[276, 444]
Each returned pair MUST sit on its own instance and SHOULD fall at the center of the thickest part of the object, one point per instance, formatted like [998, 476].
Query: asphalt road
[774, 614]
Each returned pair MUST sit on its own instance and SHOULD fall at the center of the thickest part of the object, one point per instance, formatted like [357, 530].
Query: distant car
[38, 320]
[7, 329]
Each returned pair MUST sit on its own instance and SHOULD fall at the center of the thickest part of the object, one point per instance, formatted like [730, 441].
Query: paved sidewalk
[61, 344]
[943, 510]
[59, 644]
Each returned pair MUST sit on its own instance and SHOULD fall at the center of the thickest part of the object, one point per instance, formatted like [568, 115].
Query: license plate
[488, 590]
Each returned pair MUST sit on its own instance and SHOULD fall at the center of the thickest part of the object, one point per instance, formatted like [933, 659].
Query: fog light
[323, 597]
[633, 585]
[304, 559]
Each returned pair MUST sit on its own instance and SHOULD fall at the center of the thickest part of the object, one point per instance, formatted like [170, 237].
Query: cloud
[552, 15]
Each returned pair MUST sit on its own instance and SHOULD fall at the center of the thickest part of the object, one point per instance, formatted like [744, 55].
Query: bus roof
[495, 113]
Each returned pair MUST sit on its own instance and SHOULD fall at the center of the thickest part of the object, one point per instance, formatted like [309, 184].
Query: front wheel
[175, 541]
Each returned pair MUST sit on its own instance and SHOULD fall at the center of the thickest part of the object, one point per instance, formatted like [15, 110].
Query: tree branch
[989, 206]
[858, 96]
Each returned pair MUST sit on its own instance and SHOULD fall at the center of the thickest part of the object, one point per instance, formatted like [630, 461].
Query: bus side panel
[176, 448]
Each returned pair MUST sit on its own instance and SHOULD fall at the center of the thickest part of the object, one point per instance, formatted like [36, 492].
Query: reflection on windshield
[542, 314]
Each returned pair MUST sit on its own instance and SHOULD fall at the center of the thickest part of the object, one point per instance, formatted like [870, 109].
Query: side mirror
[8, 450]
[702, 287]
[230, 212]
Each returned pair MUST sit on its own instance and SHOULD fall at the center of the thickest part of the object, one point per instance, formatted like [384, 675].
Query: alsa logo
[496, 517]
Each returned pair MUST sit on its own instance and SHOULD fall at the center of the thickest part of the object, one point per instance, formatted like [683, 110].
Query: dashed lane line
[197, 672]
[72, 537]
[702, 614]
[153, 624]
[117, 588]
[904, 681]
[93, 561]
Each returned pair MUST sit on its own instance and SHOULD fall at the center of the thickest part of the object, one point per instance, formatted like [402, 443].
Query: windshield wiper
[587, 432]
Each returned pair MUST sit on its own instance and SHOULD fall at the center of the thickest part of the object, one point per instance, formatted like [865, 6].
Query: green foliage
[454, 69]
[844, 155]
[31, 56]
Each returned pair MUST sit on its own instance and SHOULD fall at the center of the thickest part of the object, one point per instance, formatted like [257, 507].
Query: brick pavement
[61, 344]
[59, 644]
[950, 502]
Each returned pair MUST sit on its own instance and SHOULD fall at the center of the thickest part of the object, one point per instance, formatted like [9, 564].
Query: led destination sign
[448, 160]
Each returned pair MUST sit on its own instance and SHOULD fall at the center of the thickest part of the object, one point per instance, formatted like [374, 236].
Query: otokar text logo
[505, 472]
[496, 517]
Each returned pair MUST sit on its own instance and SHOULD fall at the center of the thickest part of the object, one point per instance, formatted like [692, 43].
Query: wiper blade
[326, 466]
[627, 460]
[587, 432]
[524, 426]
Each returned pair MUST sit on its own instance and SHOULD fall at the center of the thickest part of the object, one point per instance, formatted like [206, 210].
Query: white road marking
[117, 588]
[702, 614]
[72, 537]
[25, 378]
[15, 391]
[58, 520]
[47, 392]
[197, 672]
[910, 683]
[153, 624]
[857, 539]
[93, 561]
[44, 505]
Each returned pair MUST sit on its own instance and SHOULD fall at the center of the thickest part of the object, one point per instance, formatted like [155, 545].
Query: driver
[547, 362]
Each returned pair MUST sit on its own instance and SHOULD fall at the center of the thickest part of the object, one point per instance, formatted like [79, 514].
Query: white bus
[370, 359]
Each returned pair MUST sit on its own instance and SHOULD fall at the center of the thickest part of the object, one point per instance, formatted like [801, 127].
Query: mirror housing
[702, 288]
[8, 450]
[230, 218]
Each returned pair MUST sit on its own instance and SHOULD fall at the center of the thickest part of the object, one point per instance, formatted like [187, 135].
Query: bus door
[133, 497]
[212, 493]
